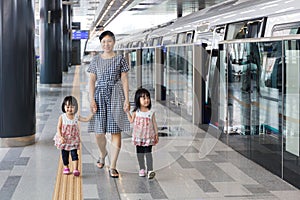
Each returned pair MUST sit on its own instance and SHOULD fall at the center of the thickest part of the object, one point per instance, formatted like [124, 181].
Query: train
[231, 20]
[232, 67]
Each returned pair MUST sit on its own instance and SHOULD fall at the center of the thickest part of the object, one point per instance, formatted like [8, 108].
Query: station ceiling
[97, 14]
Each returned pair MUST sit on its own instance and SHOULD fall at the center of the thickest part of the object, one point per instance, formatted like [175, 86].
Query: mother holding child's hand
[108, 91]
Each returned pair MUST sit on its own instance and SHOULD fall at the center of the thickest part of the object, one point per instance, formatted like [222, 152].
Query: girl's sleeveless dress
[143, 129]
[70, 132]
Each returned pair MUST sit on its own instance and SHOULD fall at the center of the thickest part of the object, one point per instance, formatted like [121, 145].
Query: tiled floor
[189, 163]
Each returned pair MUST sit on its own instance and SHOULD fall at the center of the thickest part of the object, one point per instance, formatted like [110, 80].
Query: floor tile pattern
[189, 162]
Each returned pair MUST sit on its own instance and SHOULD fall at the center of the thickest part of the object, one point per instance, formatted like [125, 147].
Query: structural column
[51, 42]
[160, 89]
[179, 8]
[66, 37]
[17, 73]
[138, 68]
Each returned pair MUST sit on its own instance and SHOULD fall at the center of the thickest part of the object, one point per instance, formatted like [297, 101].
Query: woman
[108, 90]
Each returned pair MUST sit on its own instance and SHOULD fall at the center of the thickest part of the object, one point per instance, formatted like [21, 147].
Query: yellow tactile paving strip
[69, 187]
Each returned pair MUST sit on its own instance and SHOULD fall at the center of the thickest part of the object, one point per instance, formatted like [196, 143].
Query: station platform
[189, 162]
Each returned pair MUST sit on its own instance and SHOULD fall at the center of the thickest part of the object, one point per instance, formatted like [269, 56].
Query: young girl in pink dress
[67, 137]
[145, 133]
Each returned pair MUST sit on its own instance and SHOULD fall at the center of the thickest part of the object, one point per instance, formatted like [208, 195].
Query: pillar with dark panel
[51, 42]
[17, 73]
[69, 41]
[179, 8]
[66, 21]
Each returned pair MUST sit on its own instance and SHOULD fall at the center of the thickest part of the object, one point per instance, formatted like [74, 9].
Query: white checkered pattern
[109, 95]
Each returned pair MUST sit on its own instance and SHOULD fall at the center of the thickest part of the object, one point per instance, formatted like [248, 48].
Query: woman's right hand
[93, 106]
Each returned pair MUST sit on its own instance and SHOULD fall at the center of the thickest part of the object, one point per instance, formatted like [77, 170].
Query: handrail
[245, 40]
[265, 39]
[180, 45]
[160, 46]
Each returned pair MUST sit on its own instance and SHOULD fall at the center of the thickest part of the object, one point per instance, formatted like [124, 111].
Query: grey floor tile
[7, 190]
[211, 171]
[22, 161]
[206, 186]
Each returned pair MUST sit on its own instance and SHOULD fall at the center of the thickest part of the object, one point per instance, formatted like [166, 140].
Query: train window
[253, 29]
[135, 44]
[180, 38]
[150, 43]
[236, 31]
[129, 45]
[167, 40]
[246, 29]
[189, 37]
[218, 35]
[286, 29]
[156, 41]
[185, 37]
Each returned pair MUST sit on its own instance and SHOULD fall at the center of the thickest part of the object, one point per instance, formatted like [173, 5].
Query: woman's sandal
[101, 162]
[114, 173]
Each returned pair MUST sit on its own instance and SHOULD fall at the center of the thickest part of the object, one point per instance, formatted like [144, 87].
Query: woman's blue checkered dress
[109, 95]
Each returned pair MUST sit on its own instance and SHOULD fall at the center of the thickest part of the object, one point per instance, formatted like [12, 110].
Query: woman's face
[107, 44]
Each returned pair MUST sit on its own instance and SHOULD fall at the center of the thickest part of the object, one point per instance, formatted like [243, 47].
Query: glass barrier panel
[148, 58]
[251, 73]
[179, 80]
[132, 72]
[291, 139]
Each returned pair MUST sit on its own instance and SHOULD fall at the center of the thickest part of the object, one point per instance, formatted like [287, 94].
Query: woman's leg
[115, 149]
[101, 142]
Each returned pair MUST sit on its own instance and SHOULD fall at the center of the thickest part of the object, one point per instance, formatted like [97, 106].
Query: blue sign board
[80, 34]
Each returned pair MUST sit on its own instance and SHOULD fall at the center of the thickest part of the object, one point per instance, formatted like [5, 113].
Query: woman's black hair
[70, 100]
[105, 33]
[138, 94]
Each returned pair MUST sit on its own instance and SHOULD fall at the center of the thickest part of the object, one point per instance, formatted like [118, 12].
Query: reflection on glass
[148, 69]
[292, 97]
[262, 107]
[179, 80]
[254, 88]
[132, 73]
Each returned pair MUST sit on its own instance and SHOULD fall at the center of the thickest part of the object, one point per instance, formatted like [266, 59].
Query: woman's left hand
[126, 106]
[156, 138]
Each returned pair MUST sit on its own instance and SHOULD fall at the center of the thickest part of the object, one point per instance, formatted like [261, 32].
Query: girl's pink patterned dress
[143, 130]
[70, 132]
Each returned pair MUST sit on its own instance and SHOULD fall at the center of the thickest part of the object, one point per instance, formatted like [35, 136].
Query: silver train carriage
[232, 68]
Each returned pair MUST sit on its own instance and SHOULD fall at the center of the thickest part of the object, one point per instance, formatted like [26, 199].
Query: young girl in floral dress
[67, 137]
[145, 133]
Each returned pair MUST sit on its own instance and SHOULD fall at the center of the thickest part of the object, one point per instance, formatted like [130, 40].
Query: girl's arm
[155, 127]
[85, 119]
[59, 125]
[130, 117]
[92, 82]
[124, 78]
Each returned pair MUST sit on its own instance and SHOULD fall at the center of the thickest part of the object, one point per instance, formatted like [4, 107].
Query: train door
[243, 69]
[212, 95]
[179, 75]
